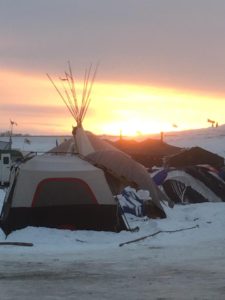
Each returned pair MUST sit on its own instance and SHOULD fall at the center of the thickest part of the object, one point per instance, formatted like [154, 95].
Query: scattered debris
[157, 232]
[81, 241]
[16, 244]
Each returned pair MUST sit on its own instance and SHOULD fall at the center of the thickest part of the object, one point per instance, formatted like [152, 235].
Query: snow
[37, 143]
[211, 139]
[64, 264]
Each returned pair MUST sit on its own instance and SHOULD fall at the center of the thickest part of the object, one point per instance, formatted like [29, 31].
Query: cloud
[170, 43]
[31, 110]
[38, 111]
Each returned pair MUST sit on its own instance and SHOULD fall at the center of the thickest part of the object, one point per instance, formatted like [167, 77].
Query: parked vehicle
[7, 158]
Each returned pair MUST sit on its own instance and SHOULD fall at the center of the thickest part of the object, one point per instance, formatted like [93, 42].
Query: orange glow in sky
[115, 107]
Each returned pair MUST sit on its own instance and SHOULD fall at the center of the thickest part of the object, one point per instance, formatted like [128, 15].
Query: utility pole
[121, 136]
[161, 136]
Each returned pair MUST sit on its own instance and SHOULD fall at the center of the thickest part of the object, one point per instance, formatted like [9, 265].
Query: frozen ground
[65, 264]
[90, 265]
[211, 139]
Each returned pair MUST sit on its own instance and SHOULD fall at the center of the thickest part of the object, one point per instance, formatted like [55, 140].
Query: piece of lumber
[22, 244]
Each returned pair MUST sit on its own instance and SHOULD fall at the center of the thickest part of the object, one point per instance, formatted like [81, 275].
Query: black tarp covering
[194, 156]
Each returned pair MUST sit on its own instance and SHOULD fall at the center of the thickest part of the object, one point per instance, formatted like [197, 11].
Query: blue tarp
[159, 177]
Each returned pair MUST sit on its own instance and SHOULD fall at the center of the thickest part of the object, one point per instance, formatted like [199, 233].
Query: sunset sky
[161, 63]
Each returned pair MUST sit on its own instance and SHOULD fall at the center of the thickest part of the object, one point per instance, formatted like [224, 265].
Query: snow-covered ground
[35, 143]
[211, 139]
[65, 264]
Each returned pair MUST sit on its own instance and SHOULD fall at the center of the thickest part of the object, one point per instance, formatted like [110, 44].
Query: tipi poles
[68, 94]
[61, 95]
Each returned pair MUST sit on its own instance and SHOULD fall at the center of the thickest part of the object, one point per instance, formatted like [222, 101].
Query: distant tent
[193, 184]
[180, 193]
[67, 187]
[210, 177]
[221, 173]
[149, 152]
[194, 156]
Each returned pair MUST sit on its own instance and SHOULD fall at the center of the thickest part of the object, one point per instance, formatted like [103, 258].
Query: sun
[133, 128]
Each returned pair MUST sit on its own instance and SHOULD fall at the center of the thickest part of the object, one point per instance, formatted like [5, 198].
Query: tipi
[73, 186]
